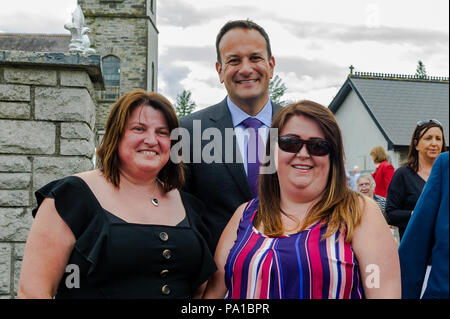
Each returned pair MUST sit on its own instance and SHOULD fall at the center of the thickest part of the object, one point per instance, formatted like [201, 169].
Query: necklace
[155, 201]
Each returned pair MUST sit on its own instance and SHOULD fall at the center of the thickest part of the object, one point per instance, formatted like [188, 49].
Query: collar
[237, 115]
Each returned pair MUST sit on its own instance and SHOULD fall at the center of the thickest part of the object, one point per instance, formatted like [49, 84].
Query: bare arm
[376, 251]
[216, 288]
[47, 251]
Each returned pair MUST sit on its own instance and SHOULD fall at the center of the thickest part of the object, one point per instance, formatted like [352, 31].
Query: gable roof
[396, 104]
[35, 42]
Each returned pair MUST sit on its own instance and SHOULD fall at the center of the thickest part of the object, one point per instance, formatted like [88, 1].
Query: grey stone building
[47, 124]
[124, 33]
[53, 108]
[383, 109]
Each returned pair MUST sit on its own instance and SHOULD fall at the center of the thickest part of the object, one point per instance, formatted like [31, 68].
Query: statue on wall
[80, 42]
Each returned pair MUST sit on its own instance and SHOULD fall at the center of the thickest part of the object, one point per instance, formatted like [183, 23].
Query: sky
[313, 42]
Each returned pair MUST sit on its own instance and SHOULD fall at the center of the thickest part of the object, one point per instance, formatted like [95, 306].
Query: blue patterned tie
[255, 150]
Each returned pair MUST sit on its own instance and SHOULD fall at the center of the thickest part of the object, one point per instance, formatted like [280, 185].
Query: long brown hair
[413, 154]
[172, 175]
[339, 206]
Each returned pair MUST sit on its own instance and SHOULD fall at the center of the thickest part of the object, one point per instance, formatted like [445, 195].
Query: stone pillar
[47, 131]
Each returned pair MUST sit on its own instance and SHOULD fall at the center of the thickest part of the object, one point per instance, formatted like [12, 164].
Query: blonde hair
[378, 153]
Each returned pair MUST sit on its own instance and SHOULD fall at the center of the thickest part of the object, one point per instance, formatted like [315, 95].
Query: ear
[272, 65]
[219, 71]
[415, 143]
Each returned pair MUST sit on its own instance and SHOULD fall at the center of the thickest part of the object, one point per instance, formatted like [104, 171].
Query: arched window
[111, 75]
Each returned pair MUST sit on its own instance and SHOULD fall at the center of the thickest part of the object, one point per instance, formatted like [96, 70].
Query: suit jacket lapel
[222, 119]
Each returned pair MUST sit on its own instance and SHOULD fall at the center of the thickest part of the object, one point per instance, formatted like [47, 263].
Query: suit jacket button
[167, 253]
[163, 236]
[165, 290]
[164, 273]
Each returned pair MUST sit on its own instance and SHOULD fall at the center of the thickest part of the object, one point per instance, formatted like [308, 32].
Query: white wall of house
[360, 134]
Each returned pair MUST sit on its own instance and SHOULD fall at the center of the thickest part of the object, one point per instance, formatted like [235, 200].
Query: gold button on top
[164, 273]
[163, 236]
[167, 253]
[165, 290]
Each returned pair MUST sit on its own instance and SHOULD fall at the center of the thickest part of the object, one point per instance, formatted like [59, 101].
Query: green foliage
[276, 90]
[420, 70]
[184, 105]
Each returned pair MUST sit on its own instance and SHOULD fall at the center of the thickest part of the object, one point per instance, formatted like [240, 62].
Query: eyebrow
[233, 55]
[140, 123]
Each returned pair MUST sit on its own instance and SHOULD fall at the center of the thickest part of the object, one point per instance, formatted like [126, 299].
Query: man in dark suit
[426, 237]
[219, 166]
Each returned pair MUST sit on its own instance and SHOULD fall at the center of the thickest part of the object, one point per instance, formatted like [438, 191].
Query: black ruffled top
[117, 259]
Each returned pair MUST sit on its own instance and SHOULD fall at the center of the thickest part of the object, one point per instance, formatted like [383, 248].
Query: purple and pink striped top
[298, 266]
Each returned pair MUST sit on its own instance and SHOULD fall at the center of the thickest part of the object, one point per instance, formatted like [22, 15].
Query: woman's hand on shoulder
[216, 288]
[377, 253]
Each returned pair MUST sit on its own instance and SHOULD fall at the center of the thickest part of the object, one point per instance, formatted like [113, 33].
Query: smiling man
[245, 65]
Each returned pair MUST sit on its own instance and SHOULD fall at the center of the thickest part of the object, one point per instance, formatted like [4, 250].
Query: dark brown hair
[419, 132]
[241, 24]
[172, 175]
[338, 205]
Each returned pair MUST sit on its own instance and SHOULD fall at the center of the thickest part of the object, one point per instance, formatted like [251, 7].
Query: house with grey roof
[383, 109]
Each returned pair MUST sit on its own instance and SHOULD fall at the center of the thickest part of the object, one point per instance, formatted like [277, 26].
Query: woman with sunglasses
[307, 234]
[427, 142]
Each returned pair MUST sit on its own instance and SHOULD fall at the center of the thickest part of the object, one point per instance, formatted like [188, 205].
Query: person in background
[124, 229]
[355, 176]
[365, 184]
[427, 142]
[383, 172]
[307, 234]
[426, 237]
[245, 65]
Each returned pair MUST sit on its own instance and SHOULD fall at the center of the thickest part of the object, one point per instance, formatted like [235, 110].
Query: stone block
[14, 180]
[14, 198]
[27, 137]
[15, 224]
[30, 76]
[76, 78]
[77, 147]
[12, 163]
[18, 257]
[47, 169]
[5, 268]
[64, 104]
[76, 130]
[14, 92]
[14, 110]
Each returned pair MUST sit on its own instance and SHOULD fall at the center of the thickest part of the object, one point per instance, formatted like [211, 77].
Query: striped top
[298, 266]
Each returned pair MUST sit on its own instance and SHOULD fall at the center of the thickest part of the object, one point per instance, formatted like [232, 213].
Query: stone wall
[47, 131]
[126, 30]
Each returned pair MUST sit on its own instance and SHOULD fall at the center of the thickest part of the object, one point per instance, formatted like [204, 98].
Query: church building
[123, 33]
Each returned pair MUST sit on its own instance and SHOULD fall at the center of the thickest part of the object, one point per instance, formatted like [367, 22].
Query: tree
[184, 105]
[277, 90]
[420, 70]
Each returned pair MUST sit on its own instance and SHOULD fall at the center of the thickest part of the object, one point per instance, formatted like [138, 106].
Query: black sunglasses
[420, 123]
[315, 146]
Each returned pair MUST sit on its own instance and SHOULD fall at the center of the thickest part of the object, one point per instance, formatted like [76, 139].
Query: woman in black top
[427, 143]
[124, 230]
